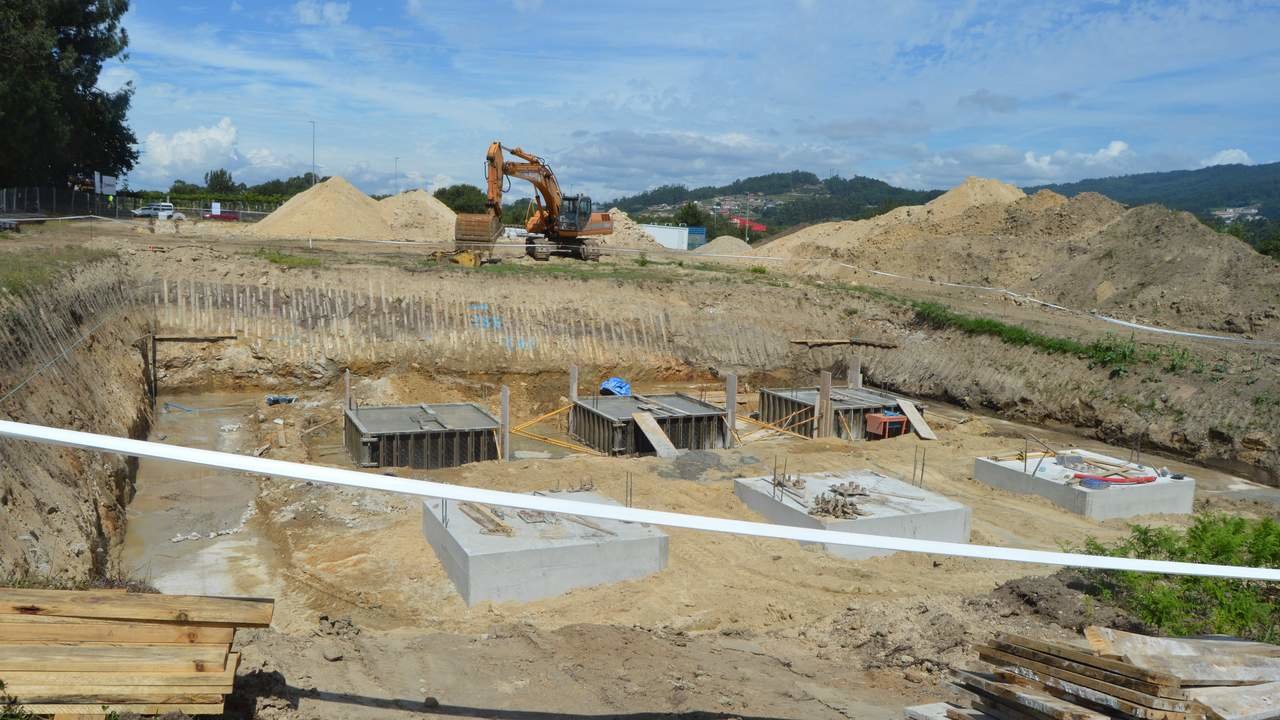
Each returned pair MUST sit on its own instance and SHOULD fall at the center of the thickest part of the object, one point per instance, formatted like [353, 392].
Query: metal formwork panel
[424, 447]
[617, 435]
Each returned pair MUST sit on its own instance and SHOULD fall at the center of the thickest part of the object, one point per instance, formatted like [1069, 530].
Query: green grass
[1183, 605]
[25, 270]
[290, 260]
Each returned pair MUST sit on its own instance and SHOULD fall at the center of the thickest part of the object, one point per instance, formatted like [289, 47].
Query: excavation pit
[1063, 479]
[506, 555]
[892, 508]
[796, 409]
[420, 436]
[605, 423]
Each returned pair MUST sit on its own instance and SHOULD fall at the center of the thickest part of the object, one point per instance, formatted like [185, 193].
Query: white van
[162, 210]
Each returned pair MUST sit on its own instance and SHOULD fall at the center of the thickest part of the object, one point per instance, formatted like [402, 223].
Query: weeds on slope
[1185, 605]
[25, 270]
[279, 257]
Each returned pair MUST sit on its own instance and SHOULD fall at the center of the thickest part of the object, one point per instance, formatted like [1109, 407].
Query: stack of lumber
[1120, 675]
[66, 652]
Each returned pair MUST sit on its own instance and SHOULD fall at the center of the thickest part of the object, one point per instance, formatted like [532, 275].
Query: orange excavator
[556, 224]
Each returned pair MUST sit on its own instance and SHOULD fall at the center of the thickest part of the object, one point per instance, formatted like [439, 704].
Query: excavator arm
[554, 216]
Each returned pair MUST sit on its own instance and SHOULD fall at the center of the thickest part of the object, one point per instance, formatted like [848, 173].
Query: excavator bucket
[477, 228]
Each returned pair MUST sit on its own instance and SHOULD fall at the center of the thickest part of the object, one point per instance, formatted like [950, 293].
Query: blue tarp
[615, 386]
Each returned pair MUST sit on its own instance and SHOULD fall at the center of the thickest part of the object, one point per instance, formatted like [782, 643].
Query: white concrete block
[894, 509]
[539, 559]
[1054, 479]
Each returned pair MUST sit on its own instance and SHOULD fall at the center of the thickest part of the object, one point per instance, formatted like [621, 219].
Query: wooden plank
[41, 628]
[102, 695]
[1034, 699]
[990, 706]
[245, 612]
[917, 420]
[1194, 662]
[139, 708]
[661, 443]
[1120, 642]
[959, 713]
[1081, 669]
[1086, 697]
[996, 657]
[125, 678]
[111, 657]
[1256, 702]
[1081, 655]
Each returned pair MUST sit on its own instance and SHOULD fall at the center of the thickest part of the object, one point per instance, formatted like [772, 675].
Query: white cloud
[188, 153]
[313, 12]
[236, 7]
[115, 77]
[1061, 162]
[1229, 156]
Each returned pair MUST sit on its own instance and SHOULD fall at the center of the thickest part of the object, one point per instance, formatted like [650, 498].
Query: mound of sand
[726, 245]
[418, 215]
[627, 234]
[973, 192]
[332, 209]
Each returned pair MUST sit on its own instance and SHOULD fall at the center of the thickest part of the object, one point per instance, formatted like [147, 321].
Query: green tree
[56, 121]
[690, 214]
[182, 187]
[462, 198]
[220, 181]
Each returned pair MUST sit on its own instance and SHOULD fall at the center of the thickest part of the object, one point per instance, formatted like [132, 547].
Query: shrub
[1185, 605]
[758, 270]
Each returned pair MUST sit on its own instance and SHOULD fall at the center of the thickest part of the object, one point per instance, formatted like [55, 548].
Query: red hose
[1123, 480]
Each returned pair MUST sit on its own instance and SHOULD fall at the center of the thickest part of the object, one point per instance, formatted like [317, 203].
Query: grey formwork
[604, 422]
[796, 409]
[420, 436]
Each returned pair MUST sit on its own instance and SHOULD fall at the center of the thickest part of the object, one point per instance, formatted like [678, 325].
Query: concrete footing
[543, 555]
[894, 508]
[1054, 478]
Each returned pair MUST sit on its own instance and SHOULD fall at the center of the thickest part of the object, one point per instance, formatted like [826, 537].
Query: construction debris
[836, 506]
[1122, 675]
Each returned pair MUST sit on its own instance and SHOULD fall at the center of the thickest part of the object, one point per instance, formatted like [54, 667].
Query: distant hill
[799, 197]
[1197, 191]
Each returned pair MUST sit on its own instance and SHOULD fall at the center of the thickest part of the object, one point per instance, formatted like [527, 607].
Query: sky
[620, 97]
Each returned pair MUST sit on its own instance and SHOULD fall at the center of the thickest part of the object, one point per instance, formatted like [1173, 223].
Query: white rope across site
[426, 488]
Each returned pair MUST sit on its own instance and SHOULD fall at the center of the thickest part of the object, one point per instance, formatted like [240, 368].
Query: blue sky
[625, 96]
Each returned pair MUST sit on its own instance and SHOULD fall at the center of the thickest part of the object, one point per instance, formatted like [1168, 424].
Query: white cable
[458, 493]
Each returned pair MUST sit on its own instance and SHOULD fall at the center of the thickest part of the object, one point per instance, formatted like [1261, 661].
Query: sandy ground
[368, 625]
[745, 627]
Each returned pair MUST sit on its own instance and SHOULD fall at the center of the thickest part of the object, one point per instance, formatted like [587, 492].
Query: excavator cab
[575, 213]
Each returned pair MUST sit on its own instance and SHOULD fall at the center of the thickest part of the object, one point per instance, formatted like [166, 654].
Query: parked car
[162, 210]
[224, 215]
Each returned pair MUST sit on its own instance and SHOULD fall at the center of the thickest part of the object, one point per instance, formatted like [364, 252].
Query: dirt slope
[417, 215]
[628, 234]
[1149, 264]
[726, 245]
[332, 209]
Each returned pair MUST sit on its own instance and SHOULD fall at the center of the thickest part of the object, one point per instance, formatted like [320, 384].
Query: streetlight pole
[313, 151]
[397, 174]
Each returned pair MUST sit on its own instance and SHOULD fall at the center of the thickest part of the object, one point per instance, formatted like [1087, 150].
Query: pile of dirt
[726, 245]
[332, 209]
[627, 233]
[1066, 599]
[418, 215]
[1153, 262]
[973, 192]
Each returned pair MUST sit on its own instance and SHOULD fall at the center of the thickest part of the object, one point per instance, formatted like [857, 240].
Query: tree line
[58, 125]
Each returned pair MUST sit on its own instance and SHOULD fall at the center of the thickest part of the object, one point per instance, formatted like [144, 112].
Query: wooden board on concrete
[1254, 702]
[661, 443]
[917, 420]
[245, 612]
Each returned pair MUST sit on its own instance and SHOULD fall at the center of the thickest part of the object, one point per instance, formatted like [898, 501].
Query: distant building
[752, 224]
[1230, 215]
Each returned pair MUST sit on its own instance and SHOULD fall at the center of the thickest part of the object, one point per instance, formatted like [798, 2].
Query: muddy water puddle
[190, 528]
